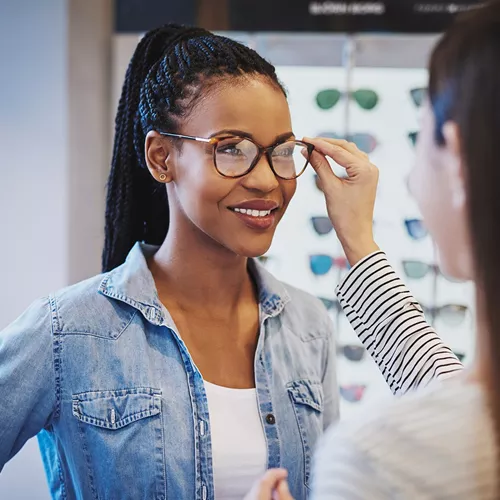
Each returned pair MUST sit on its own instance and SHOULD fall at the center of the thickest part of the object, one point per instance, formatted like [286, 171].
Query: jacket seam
[56, 355]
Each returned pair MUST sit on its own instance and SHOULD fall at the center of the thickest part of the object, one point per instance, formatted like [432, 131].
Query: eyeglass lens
[234, 156]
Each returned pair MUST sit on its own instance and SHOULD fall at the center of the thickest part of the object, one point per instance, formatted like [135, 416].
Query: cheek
[288, 189]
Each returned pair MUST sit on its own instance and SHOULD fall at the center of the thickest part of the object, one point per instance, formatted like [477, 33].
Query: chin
[253, 249]
[455, 264]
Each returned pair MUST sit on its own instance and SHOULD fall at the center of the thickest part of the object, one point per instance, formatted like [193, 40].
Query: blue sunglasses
[416, 229]
[321, 264]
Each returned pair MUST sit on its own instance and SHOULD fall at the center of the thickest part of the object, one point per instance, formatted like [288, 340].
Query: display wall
[383, 117]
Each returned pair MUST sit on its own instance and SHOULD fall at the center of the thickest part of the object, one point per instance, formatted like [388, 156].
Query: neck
[480, 370]
[195, 272]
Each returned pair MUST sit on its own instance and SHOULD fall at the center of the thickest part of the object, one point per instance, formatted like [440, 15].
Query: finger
[269, 482]
[283, 492]
[349, 146]
[340, 155]
[323, 169]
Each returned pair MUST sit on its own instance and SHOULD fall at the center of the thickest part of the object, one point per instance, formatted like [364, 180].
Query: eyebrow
[242, 133]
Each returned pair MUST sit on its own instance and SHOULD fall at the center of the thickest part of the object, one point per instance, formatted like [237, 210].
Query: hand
[272, 486]
[350, 201]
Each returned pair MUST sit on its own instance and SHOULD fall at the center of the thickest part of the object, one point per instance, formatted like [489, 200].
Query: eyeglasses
[354, 353]
[352, 393]
[322, 225]
[331, 305]
[451, 314]
[415, 269]
[364, 142]
[328, 98]
[413, 136]
[236, 156]
[418, 95]
[321, 264]
[263, 259]
[416, 229]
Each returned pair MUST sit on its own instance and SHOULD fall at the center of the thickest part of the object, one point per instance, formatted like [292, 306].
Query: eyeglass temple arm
[189, 137]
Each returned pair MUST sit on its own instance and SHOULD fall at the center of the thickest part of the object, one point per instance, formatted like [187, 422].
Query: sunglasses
[416, 229]
[354, 353]
[364, 142]
[365, 98]
[322, 225]
[352, 393]
[451, 314]
[460, 356]
[413, 136]
[418, 96]
[264, 259]
[415, 269]
[331, 304]
[321, 264]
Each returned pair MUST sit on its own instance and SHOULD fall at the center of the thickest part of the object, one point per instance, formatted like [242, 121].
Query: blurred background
[354, 69]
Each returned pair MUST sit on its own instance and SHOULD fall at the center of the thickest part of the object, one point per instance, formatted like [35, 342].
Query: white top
[435, 443]
[239, 448]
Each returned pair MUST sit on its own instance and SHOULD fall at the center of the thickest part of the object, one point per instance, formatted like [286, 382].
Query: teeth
[253, 213]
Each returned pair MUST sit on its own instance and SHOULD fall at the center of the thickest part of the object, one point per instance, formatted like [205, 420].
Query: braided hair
[171, 69]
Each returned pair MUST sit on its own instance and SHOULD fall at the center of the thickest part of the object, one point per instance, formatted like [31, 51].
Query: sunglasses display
[366, 99]
[353, 393]
[322, 225]
[416, 229]
[450, 314]
[321, 264]
[418, 95]
[354, 353]
[364, 142]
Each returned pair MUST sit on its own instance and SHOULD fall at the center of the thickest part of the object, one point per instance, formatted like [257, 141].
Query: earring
[163, 177]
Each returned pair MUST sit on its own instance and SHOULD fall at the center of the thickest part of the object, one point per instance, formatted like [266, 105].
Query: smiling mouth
[253, 213]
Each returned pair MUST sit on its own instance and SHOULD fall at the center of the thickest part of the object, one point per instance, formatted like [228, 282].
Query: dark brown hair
[465, 87]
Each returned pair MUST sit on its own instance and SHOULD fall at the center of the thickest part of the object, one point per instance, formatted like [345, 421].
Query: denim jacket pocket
[307, 400]
[122, 438]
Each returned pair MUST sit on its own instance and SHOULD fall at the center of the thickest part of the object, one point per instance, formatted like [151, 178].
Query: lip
[256, 205]
[257, 223]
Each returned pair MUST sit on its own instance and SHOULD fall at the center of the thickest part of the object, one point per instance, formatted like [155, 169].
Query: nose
[262, 177]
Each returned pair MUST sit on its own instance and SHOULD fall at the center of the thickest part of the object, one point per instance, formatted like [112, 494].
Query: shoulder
[414, 440]
[305, 310]
[82, 309]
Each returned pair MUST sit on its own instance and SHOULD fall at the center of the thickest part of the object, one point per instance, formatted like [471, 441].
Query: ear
[159, 157]
[454, 164]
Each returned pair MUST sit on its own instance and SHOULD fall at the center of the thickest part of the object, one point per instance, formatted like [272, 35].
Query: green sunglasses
[328, 98]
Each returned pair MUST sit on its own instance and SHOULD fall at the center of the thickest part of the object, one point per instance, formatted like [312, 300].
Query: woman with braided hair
[185, 369]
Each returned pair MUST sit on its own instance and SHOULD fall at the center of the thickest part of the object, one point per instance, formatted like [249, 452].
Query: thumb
[322, 167]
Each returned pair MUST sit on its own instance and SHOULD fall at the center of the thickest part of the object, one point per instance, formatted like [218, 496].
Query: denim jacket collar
[133, 283]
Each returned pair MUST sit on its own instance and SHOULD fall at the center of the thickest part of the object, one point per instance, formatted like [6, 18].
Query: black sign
[404, 16]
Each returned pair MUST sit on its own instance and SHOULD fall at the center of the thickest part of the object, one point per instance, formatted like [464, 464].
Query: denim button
[270, 419]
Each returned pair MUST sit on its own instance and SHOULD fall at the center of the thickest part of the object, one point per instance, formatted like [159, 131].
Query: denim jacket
[100, 374]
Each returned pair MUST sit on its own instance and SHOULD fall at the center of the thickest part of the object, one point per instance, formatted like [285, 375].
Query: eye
[230, 149]
[284, 152]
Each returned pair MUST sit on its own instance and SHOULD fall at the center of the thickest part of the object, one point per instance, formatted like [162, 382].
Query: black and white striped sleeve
[391, 325]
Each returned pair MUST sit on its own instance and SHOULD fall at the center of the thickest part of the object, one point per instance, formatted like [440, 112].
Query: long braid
[170, 68]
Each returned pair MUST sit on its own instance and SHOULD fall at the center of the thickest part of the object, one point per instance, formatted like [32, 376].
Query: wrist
[358, 249]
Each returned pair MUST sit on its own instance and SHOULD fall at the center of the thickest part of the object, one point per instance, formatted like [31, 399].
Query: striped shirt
[436, 443]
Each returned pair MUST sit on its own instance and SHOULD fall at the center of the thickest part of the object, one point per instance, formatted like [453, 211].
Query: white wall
[54, 153]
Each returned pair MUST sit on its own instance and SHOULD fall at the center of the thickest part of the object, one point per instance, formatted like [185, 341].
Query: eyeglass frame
[261, 150]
